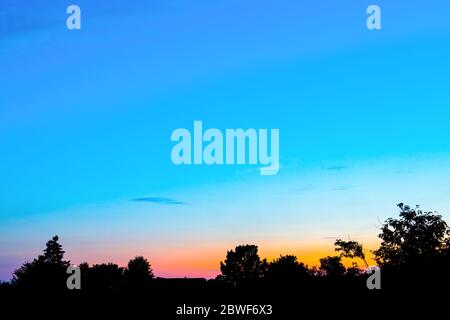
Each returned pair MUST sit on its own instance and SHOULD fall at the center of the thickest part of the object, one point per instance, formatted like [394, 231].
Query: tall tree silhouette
[54, 253]
[46, 272]
[138, 273]
[242, 264]
[415, 236]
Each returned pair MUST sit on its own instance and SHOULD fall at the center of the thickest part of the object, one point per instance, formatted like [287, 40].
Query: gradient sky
[86, 118]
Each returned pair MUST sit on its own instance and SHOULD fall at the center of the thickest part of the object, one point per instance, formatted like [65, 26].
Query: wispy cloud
[338, 168]
[303, 189]
[329, 238]
[159, 200]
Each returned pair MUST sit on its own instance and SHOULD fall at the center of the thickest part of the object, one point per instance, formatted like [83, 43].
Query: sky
[86, 118]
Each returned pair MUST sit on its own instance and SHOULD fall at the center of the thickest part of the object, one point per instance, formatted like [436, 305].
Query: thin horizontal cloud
[338, 168]
[159, 200]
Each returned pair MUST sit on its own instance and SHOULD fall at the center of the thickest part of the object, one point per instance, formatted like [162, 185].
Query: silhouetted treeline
[414, 253]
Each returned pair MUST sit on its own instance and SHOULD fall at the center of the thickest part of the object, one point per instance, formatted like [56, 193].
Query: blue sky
[86, 118]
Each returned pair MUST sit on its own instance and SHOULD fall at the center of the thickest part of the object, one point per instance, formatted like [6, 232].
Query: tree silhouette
[350, 249]
[46, 272]
[415, 236]
[139, 272]
[105, 276]
[243, 263]
[414, 253]
[354, 271]
[287, 268]
[332, 266]
[53, 253]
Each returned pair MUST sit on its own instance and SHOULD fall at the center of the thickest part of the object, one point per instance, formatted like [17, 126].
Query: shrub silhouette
[354, 271]
[332, 266]
[105, 276]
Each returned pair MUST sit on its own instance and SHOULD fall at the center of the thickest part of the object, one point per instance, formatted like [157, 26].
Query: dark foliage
[287, 268]
[243, 264]
[332, 266]
[46, 271]
[414, 256]
[416, 237]
[139, 273]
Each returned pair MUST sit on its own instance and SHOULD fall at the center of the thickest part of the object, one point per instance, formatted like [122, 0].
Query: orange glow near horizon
[204, 262]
